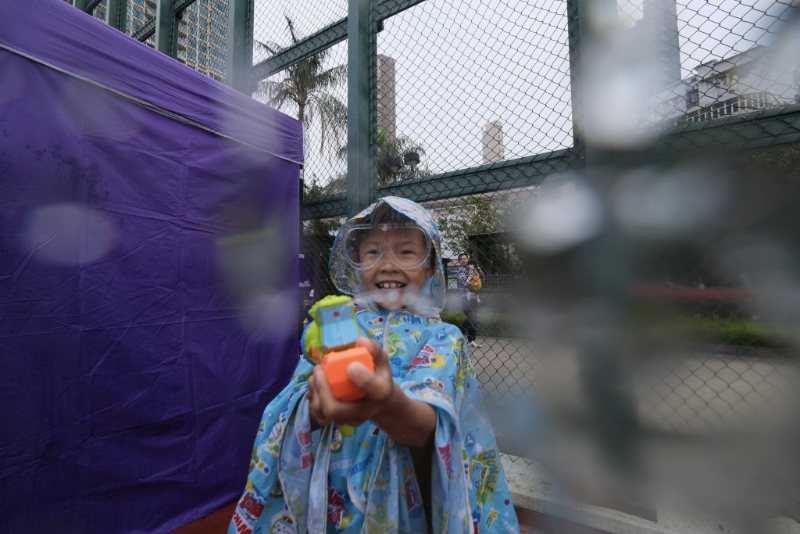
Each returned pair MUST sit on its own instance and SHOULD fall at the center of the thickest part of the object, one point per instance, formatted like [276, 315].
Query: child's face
[387, 279]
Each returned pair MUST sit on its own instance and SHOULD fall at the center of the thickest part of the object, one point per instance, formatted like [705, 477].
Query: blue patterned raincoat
[359, 479]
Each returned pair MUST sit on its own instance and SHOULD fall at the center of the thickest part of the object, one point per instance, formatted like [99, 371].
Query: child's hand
[379, 388]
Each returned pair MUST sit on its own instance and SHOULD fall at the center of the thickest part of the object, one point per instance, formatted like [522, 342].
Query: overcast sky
[461, 64]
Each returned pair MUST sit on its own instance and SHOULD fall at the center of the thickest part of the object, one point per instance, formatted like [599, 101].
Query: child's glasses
[404, 244]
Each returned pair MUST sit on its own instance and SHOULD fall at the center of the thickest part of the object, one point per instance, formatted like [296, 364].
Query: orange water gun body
[330, 341]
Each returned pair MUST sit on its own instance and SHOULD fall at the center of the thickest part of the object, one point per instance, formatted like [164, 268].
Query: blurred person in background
[467, 271]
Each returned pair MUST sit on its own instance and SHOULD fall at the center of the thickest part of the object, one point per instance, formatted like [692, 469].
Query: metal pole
[116, 14]
[575, 8]
[362, 53]
[236, 68]
[166, 36]
[603, 262]
[582, 37]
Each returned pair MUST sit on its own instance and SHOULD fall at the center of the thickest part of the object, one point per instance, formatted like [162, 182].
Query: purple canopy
[149, 226]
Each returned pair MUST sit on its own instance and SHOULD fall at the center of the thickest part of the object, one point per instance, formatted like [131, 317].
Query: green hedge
[455, 318]
[492, 325]
[721, 331]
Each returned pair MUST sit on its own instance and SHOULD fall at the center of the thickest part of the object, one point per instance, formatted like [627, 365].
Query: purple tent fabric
[149, 226]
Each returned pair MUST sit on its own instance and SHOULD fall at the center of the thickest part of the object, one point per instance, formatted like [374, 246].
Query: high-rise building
[203, 37]
[202, 31]
[139, 12]
[493, 148]
[387, 111]
[660, 20]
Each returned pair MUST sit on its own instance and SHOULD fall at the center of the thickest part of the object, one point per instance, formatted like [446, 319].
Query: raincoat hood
[431, 298]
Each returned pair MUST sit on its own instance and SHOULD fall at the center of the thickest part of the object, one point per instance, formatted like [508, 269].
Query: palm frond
[290, 24]
[332, 77]
[332, 116]
[269, 46]
[306, 84]
[275, 93]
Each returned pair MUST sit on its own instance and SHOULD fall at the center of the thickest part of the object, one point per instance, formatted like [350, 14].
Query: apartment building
[202, 31]
[203, 37]
[742, 83]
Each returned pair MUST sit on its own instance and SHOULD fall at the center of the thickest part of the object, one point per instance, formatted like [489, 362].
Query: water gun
[330, 341]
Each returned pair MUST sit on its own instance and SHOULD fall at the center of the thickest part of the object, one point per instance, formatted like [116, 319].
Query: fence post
[602, 261]
[582, 37]
[236, 70]
[116, 14]
[361, 57]
[166, 36]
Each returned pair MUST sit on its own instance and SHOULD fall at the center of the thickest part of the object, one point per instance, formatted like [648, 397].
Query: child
[475, 272]
[417, 453]
[469, 297]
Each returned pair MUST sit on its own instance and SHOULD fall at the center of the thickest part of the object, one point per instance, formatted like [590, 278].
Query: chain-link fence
[626, 176]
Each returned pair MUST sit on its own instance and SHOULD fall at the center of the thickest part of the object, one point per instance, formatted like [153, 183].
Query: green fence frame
[771, 127]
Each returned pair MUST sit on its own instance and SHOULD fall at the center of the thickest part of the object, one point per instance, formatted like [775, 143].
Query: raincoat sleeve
[469, 489]
[284, 436]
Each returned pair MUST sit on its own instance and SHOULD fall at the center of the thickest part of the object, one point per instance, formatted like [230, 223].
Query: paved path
[688, 393]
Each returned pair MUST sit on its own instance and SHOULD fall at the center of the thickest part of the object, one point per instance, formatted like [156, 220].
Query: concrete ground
[704, 390]
[697, 392]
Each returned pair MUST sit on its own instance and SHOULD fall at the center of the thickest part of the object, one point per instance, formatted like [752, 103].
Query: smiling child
[417, 454]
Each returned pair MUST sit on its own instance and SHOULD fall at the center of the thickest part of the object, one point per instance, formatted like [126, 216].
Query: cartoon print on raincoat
[361, 480]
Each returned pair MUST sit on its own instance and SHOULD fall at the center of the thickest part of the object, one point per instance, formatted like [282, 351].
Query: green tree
[307, 84]
[470, 216]
[311, 191]
[475, 216]
[393, 149]
[313, 187]
[781, 162]
[387, 149]
[322, 226]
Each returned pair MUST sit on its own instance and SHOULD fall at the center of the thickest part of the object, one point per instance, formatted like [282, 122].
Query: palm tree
[395, 148]
[389, 149]
[307, 84]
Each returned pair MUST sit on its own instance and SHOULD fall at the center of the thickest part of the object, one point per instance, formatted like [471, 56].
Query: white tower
[493, 149]
[386, 97]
